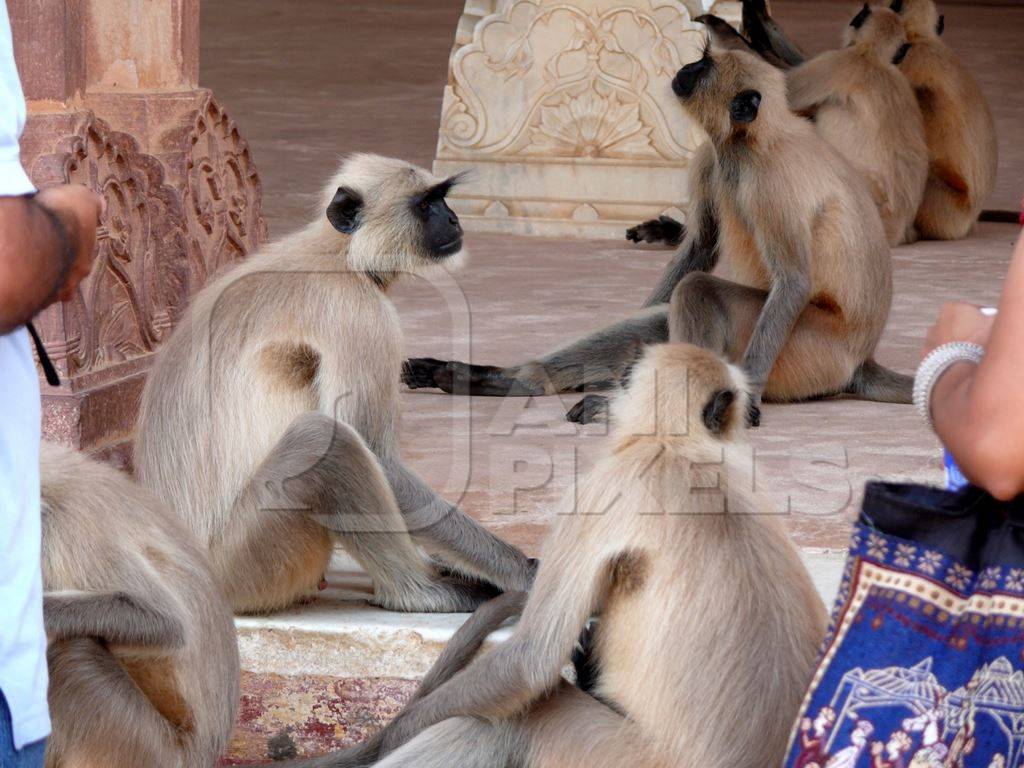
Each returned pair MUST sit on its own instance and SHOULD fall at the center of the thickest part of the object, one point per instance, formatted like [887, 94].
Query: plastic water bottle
[955, 479]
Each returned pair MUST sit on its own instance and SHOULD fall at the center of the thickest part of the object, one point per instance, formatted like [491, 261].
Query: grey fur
[699, 251]
[142, 652]
[802, 279]
[767, 37]
[459, 652]
[270, 419]
[664, 564]
[118, 618]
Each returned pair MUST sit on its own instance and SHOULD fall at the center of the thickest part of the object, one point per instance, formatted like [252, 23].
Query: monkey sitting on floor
[270, 420]
[142, 653]
[709, 621]
[802, 281]
[863, 106]
[959, 129]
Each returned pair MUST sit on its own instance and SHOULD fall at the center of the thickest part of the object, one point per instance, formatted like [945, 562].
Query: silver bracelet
[938, 361]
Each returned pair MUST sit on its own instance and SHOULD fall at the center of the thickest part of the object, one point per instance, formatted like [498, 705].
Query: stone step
[332, 671]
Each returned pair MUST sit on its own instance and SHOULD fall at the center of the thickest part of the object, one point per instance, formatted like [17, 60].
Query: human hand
[80, 210]
[959, 321]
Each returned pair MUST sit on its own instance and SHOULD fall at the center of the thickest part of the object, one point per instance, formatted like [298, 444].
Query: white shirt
[22, 637]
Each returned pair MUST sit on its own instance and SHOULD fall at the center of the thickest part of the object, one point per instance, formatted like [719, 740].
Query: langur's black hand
[590, 410]
[663, 229]
[754, 413]
[421, 372]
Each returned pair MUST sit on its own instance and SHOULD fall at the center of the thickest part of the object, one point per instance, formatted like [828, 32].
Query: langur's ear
[344, 210]
[860, 18]
[940, 25]
[717, 411]
[901, 54]
[896, 5]
[743, 108]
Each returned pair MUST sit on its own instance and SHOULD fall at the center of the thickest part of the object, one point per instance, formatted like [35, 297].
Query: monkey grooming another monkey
[709, 622]
[142, 653]
[270, 419]
[959, 127]
[860, 103]
[784, 266]
[864, 107]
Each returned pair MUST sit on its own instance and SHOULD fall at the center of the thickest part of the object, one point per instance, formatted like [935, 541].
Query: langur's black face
[722, 90]
[690, 77]
[442, 233]
[401, 223]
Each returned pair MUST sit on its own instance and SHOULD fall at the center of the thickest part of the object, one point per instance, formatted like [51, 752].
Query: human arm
[46, 249]
[978, 410]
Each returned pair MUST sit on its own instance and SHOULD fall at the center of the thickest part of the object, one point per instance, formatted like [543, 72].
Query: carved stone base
[564, 114]
[180, 208]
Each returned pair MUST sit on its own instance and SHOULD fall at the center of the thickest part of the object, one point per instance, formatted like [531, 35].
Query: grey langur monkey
[270, 420]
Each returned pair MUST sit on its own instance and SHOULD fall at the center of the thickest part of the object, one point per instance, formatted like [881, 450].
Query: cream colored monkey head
[394, 215]
[879, 29]
[732, 94]
[682, 392]
[921, 19]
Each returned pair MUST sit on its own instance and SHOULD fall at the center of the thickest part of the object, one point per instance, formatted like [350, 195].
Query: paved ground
[309, 80]
[312, 79]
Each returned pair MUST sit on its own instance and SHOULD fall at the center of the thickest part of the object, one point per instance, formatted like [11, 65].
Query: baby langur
[270, 420]
[784, 266]
[709, 622]
[142, 653]
[958, 124]
[867, 111]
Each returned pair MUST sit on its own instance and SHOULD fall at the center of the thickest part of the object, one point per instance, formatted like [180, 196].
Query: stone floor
[309, 80]
[509, 460]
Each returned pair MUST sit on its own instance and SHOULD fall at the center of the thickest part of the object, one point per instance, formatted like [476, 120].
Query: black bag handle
[969, 525]
[44, 359]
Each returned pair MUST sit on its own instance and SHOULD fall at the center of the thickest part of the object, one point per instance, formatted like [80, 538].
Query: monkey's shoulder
[932, 64]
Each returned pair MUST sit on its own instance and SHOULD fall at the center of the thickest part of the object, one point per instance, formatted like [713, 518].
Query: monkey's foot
[421, 372]
[590, 410]
[466, 379]
[753, 414]
[663, 229]
[448, 592]
[447, 375]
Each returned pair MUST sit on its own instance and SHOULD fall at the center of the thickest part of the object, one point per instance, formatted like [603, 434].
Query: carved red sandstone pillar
[114, 102]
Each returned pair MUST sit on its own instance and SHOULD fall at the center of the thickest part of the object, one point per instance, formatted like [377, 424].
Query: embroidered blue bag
[923, 663]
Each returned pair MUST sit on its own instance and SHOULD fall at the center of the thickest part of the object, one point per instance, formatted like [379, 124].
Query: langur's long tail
[461, 649]
[872, 381]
